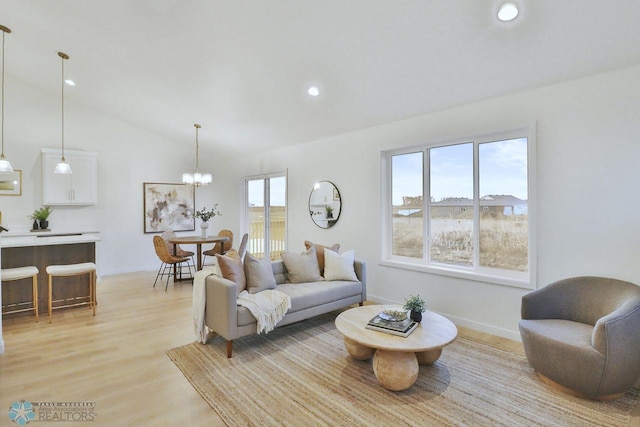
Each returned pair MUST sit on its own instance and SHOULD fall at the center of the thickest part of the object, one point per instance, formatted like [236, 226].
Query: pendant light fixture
[5, 165]
[196, 179]
[63, 167]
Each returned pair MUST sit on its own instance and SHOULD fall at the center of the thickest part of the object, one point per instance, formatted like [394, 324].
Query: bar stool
[9, 274]
[74, 270]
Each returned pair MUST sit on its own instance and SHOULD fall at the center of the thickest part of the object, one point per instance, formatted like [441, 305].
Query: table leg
[199, 257]
[358, 351]
[396, 370]
[428, 357]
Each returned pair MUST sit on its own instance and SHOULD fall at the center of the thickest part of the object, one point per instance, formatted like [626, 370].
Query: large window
[462, 207]
[266, 213]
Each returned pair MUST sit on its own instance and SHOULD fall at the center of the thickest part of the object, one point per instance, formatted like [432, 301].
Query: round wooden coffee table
[396, 359]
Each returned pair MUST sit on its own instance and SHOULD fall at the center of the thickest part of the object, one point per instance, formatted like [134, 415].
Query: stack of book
[402, 328]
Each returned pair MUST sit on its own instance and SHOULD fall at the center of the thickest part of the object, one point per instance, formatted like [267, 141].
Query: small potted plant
[416, 305]
[41, 216]
[329, 211]
[205, 215]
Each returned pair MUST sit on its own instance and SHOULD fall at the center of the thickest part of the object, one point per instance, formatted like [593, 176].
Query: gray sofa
[231, 321]
[582, 335]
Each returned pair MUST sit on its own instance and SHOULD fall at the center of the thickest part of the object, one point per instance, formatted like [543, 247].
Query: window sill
[468, 275]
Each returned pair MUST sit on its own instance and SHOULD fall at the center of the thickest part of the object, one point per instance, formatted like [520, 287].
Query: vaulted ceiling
[241, 68]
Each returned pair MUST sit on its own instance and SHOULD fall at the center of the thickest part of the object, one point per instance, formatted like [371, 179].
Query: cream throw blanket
[268, 307]
[199, 301]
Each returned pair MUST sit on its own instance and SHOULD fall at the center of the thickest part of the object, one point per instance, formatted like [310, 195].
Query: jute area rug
[301, 375]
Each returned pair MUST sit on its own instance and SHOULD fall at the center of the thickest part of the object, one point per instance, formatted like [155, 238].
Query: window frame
[525, 280]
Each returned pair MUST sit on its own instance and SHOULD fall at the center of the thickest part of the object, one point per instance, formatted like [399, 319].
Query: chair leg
[166, 286]
[93, 285]
[158, 275]
[50, 280]
[35, 296]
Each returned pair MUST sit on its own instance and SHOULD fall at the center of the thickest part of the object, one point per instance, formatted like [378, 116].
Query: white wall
[587, 175]
[588, 147]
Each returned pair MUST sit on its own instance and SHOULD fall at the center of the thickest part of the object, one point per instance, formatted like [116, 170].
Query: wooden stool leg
[93, 294]
[50, 280]
[35, 296]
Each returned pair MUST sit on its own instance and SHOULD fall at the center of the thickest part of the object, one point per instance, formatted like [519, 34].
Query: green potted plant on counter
[416, 305]
[40, 218]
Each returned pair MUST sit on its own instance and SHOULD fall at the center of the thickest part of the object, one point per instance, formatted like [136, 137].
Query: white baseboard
[460, 321]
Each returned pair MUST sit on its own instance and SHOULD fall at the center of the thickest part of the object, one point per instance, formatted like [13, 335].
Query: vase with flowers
[205, 215]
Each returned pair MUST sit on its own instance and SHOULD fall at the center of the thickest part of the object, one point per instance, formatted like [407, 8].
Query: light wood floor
[117, 359]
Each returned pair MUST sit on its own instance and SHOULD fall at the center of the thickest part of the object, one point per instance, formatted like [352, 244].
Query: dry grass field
[503, 240]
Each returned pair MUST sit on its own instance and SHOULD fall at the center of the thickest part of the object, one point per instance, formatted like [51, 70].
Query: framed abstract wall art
[168, 207]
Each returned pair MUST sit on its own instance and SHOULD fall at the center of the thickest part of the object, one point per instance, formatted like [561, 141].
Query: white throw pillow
[339, 266]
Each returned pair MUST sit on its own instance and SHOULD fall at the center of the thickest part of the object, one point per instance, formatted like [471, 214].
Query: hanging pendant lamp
[5, 165]
[63, 167]
[196, 179]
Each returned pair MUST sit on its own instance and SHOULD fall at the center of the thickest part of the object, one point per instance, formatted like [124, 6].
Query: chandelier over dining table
[196, 178]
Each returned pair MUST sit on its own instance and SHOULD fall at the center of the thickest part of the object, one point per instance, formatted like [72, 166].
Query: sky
[277, 193]
[502, 170]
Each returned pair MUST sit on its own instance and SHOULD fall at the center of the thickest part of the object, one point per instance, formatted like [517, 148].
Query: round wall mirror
[325, 204]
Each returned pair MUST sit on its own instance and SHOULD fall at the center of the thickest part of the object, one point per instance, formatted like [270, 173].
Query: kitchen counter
[41, 249]
[40, 238]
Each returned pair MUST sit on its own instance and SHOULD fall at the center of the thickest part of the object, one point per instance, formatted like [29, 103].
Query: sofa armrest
[221, 311]
[360, 268]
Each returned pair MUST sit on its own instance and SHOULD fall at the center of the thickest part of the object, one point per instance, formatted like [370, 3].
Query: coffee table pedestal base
[358, 351]
[395, 370]
[428, 357]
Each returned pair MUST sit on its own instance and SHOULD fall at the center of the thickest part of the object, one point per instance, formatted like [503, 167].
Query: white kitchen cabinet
[78, 188]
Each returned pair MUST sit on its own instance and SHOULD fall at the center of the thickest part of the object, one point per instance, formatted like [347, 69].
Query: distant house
[505, 204]
[462, 207]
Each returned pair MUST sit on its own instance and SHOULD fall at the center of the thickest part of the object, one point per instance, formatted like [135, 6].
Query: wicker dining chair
[169, 262]
[179, 252]
[226, 246]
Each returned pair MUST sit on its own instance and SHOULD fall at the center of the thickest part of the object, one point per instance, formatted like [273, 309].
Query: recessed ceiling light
[70, 82]
[313, 91]
[507, 12]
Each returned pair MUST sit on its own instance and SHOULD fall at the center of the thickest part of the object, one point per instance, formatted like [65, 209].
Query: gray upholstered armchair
[582, 335]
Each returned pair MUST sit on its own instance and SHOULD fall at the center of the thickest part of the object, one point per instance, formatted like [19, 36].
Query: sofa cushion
[312, 294]
[320, 252]
[232, 269]
[302, 267]
[258, 273]
[339, 266]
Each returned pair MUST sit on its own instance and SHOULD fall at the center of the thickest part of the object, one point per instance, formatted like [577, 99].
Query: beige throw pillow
[339, 266]
[258, 273]
[320, 252]
[302, 267]
[232, 269]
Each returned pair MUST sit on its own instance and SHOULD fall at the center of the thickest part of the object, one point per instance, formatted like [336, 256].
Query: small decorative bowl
[393, 314]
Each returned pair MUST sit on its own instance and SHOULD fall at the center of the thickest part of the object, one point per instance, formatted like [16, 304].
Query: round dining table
[198, 240]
